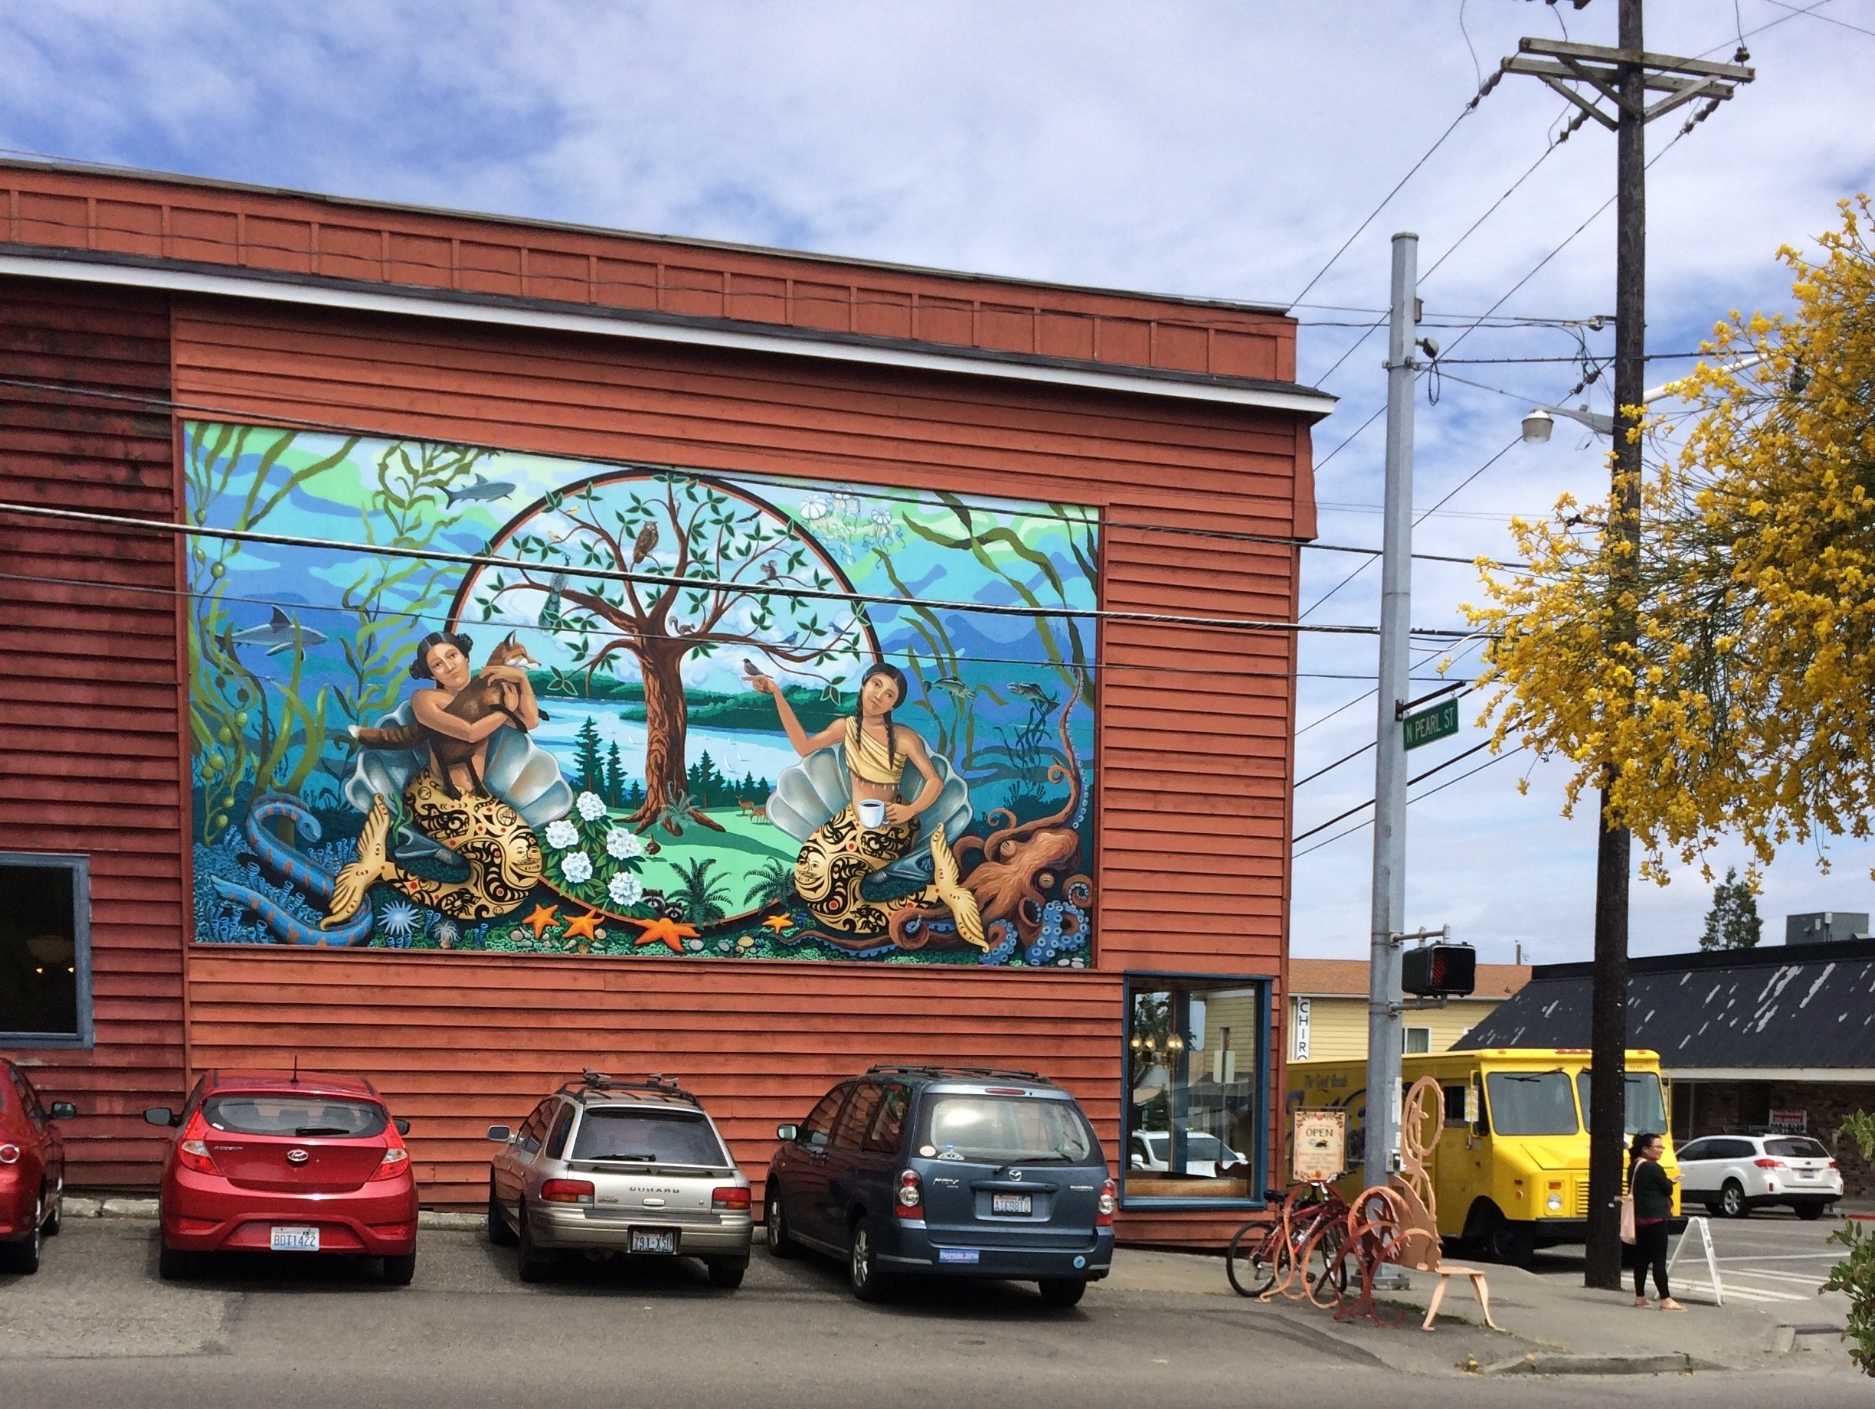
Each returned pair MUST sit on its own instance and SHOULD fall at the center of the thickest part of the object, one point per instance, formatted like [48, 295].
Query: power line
[1358, 826]
[1386, 200]
[1436, 768]
[692, 584]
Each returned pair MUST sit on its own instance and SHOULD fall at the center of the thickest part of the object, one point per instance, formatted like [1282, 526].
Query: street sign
[1439, 722]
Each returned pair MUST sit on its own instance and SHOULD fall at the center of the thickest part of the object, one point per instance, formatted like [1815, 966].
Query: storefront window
[45, 951]
[1195, 1102]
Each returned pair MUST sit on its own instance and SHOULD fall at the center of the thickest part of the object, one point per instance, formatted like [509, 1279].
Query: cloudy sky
[1207, 149]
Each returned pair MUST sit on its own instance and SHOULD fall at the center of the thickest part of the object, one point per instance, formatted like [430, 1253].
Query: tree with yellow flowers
[1746, 703]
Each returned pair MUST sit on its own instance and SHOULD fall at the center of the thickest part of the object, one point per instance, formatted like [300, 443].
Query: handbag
[1627, 1219]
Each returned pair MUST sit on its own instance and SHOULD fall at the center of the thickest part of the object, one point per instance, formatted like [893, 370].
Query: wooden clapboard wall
[1193, 763]
[1193, 757]
[89, 694]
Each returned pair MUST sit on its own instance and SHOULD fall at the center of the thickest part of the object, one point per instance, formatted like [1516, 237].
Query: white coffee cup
[871, 813]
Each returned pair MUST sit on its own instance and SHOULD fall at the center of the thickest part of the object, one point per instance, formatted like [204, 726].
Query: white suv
[1733, 1174]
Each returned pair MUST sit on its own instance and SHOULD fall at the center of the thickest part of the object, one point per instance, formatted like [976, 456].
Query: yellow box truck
[1510, 1159]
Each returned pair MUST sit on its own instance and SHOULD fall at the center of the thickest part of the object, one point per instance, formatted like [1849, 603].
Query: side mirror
[159, 1115]
[787, 1132]
[403, 1126]
[501, 1133]
[64, 1110]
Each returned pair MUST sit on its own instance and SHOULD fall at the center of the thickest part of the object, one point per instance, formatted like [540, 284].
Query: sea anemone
[625, 889]
[590, 805]
[576, 867]
[622, 845]
[400, 920]
[561, 833]
[446, 934]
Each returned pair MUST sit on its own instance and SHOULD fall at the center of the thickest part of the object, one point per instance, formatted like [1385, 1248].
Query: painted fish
[278, 634]
[1034, 694]
[481, 487]
[951, 685]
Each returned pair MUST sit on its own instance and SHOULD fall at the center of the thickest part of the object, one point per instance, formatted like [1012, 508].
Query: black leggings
[1650, 1250]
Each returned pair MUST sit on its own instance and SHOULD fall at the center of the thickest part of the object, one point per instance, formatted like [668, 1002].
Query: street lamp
[1541, 420]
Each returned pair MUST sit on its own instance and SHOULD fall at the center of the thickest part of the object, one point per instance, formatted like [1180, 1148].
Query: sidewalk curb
[76, 1206]
[1537, 1363]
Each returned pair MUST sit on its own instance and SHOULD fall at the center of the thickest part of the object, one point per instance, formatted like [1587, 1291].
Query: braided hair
[420, 667]
[897, 677]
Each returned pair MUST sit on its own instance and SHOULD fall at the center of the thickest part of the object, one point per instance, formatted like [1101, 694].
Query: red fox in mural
[484, 695]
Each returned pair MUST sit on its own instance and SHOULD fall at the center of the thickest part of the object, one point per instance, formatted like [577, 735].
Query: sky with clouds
[1204, 149]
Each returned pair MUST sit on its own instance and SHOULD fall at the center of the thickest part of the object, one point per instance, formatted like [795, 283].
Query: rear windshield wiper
[322, 1130]
[620, 1159]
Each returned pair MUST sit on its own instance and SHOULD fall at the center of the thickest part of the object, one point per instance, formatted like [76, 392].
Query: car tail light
[396, 1158]
[730, 1198]
[192, 1148]
[9, 1154]
[908, 1202]
[1109, 1201]
[1769, 1163]
[1834, 1165]
[567, 1191]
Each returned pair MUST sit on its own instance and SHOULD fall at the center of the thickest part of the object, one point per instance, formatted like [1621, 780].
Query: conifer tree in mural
[688, 530]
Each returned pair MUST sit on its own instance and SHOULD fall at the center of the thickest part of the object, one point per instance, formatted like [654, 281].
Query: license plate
[654, 1240]
[1806, 1174]
[1012, 1203]
[959, 1255]
[295, 1240]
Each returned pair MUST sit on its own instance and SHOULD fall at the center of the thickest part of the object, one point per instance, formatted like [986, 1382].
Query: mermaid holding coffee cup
[877, 826]
[484, 831]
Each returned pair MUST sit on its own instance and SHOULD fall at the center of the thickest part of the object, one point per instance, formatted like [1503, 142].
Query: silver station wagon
[627, 1168]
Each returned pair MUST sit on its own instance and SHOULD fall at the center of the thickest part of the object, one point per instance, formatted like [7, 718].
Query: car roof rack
[591, 1082]
[936, 1069]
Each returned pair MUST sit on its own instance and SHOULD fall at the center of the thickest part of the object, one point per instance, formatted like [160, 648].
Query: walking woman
[1652, 1188]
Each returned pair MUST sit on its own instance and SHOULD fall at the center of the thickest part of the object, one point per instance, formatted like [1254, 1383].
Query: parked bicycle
[1301, 1253]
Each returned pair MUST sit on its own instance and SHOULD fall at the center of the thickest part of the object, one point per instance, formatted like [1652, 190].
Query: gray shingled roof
[1810, 1005]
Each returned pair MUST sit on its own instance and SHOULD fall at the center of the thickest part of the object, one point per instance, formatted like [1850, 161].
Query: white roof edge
[621, 323]
[1832, 1075]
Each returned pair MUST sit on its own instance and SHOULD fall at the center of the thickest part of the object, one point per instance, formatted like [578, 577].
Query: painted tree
[1744, 705]
[729, 568]
[1732, 922]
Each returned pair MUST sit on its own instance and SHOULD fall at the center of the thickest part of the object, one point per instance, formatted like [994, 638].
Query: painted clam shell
[519, 772]
[815, 790]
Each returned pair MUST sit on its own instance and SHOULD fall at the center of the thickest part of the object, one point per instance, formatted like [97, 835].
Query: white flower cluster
[625, 889]
[623, 845]
[577, 868]
[561, 834]
[591, 806]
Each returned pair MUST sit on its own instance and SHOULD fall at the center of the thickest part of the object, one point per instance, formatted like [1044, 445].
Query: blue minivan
[947, 1172]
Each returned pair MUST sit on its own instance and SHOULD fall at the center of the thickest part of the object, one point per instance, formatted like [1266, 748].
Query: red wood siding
[460, 1042]
[241, 228]
[89, 694]
[1194, 748]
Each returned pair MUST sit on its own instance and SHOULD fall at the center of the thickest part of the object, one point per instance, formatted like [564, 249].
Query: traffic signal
[1439, 971]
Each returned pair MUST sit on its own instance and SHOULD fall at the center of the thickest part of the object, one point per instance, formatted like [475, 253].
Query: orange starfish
[778, 923]
[544, 918]
[664, 931]
[584, 925]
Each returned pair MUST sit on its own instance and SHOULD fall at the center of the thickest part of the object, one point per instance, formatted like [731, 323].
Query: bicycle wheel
[1249, 1263]
[1329, 1260]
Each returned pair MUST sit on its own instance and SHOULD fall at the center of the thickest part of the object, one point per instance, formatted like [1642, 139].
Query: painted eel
[294, 867]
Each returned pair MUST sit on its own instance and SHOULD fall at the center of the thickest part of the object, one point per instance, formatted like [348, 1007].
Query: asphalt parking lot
[97, 1326]
[1772, 1258]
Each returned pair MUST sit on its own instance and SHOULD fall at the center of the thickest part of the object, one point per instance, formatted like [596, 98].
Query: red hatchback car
[32, 1169]
[274, 1161]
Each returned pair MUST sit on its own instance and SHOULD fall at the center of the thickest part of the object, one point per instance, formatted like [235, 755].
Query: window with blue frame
[1196, 1099]
[45, 950]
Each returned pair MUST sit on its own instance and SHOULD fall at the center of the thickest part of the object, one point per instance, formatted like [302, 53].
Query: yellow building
[1328, 1009]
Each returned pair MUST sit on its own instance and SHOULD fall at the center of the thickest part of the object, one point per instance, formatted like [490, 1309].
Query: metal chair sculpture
[1397, 1222]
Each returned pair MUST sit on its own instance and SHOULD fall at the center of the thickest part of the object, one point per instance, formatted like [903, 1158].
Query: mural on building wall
[678, 713]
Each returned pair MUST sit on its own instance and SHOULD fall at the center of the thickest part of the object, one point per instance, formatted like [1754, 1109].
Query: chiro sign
[1321, 1142]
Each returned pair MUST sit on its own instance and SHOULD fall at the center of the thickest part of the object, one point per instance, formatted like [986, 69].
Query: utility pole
[1625, 76]
[1384, 998]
